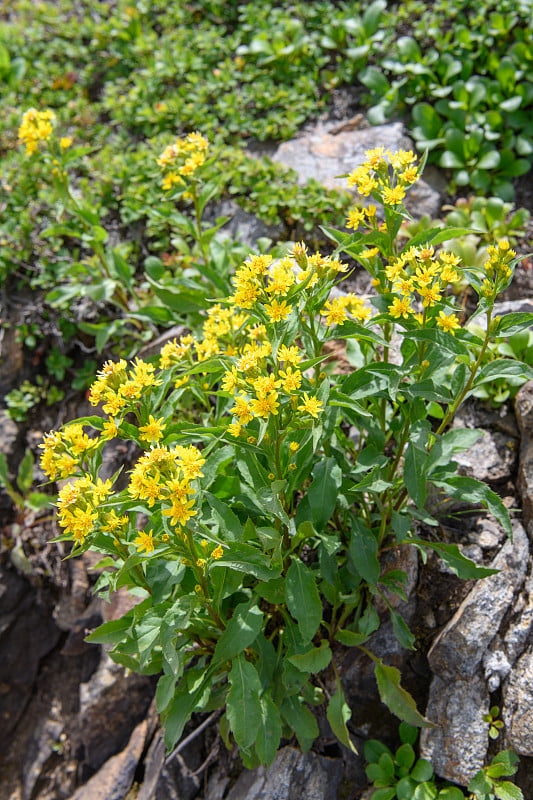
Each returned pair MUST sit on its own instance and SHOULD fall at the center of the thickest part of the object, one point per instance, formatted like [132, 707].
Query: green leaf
[489, 160]
[450, 793]
[463, 567]
[248, 559]
[396, 698]
[111, 632]
[514, 323]
[303, 599]
[462, 487]
[314, 660]
[480, 784]
[164, 692]
[188, 696]
[241, 631]
[38, 500]
[300, 720]
[243, 708]
[422, 771]
[4, 473]
[405, 756]
[508, 791]
[503, 368]
[270, 729]
[228, 521]
[25, 472]
[414, 473]
[338, 714]
[363, 551]
[322, 493]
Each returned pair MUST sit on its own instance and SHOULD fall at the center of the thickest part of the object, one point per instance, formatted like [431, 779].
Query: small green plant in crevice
[403, 776]
[495, 724]
[20, 492]
[21, 400]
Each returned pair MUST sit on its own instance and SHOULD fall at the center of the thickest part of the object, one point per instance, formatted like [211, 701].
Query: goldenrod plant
[268, 487]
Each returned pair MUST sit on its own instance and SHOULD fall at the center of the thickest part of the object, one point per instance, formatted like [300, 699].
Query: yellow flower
[448, 322]
[393, 197]
[400, 307]
[264, 406]
[153, 430]
[289, 354]
[369, 253]
[277, 311]
[355, 217]
[293, 447]
[110, 429]
[145, 541]
[242, 410]
[310, 405]
[36, 126]
[291, 379]
[234, 429]
[335, 311]
[430, 295]
[180, 512]
[217, 553]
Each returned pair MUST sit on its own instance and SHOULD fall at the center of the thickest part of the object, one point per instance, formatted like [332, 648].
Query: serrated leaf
[396, 698]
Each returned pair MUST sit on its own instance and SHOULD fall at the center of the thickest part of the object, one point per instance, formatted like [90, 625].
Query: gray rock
[459, 649]
[524, 418]
[457, 747]
[114, 780]
[517, 713]
[111, 701]
[491, 459]
[520, 623]
[244, 227]
[8, 433]
[323, 154]
[292, 776]
[496, 667]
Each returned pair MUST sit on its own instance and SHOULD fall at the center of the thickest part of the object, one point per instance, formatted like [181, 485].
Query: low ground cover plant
[269, 492]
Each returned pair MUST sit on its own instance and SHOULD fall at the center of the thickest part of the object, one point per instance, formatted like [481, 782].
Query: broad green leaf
[396, 698]
[314, 660]
[405, 788]
[248, 559]
[414, 473]
[422, 771]
[241, 631]
[111, 632]
[303, 599]
[192, 691]
[463, 567]
[300, 720]
[38, 500]
[508, 791]
[503, 368]
[228, 521]
[338, 714]
[243, 707]
[405, 756]
[363, 551]
[164, 692]
[449, 793]
[322, 493]
[270, 729]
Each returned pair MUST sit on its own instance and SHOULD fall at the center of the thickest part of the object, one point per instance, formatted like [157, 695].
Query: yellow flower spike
[36, 126]
[145, 541]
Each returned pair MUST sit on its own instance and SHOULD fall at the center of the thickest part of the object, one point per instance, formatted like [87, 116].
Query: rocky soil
[75, 725]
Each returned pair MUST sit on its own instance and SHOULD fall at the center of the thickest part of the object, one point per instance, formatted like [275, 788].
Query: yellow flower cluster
[36, 126]
[336, 310]
[79, 504]
[420, 275]
[374, 177]
[64, 451]
[181, 159]
[119, 386]
[497, 267]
